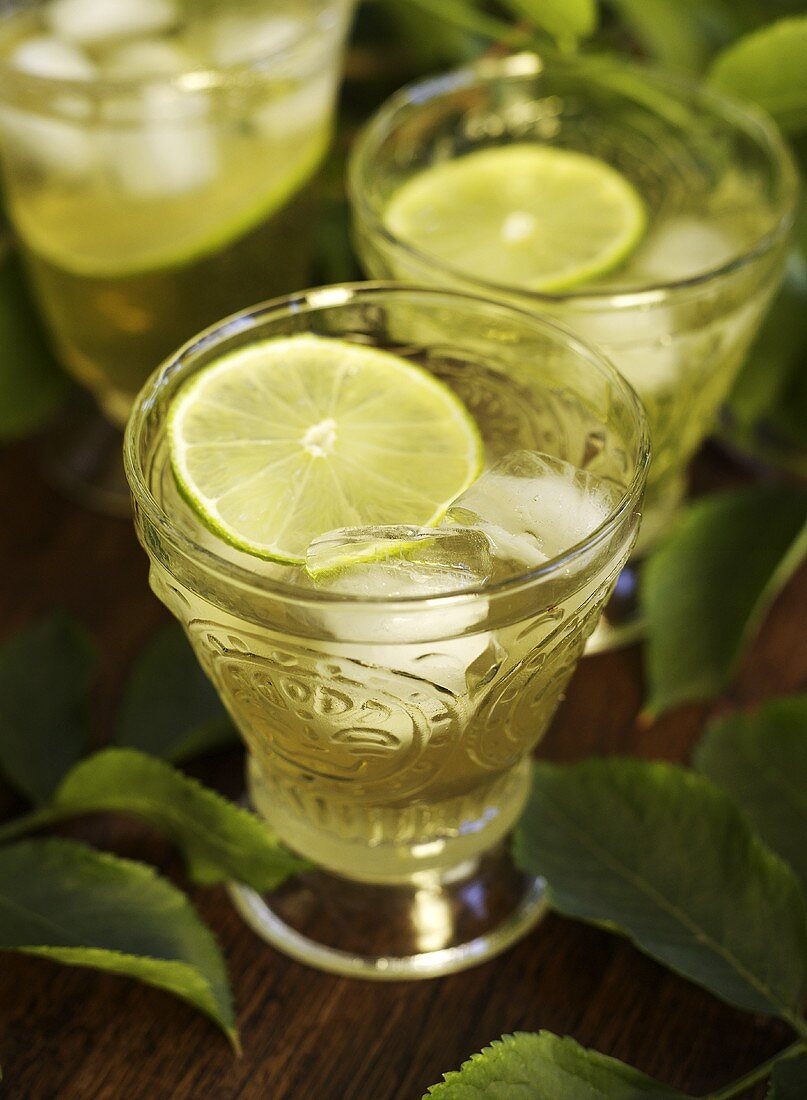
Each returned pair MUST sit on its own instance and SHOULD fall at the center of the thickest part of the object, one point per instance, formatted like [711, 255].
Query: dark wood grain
[74, 1034]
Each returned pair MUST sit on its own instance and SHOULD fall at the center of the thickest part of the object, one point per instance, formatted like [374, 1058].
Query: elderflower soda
[158, 159]
[388, 678]
[444, 194]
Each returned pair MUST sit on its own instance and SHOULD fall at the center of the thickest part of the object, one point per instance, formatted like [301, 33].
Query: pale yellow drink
[386, 743]
[158, 162]
[677, 309]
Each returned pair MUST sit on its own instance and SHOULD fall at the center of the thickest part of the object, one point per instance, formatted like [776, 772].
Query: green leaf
[67, 902]
[335, 261]
[446, 44]
[169, 707]
[45, 671]
[670, 31]
[760, 393]
[666, 856]
[566, 20]
[760, 760]
[31, 384]
[748, 15]
[220, 841]
[545, 1067]
[769, 67]
[706, 590]
[789, 1080]
[472, 19]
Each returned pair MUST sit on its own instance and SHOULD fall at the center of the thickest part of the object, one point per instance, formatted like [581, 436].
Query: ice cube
[682, 247]
[47, 56]
[534, 507]
[298, 112]
[50, 143]
[171, 151]
[654, 370]
[641, 343]
[431, 563]
[149, 57]
[457, 556]
[92, 22]
[60, 148]
[240, 38]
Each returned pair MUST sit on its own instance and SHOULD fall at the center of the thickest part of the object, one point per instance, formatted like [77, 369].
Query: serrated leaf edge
[145, 870]
[139, 807]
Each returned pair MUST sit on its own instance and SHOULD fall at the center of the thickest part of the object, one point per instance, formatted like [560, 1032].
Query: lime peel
[324, 567]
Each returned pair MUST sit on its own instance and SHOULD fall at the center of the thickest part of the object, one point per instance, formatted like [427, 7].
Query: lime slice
[531, 217]
[284, 440]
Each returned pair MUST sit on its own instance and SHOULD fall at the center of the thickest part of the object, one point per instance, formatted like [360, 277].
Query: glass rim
[204, 78]
[753, 121]
[310, 301]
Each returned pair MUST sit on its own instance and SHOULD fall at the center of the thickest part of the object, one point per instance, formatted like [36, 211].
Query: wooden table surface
[76, 1034]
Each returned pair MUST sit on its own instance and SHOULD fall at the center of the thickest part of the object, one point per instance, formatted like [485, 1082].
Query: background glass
[148, 207]
[388, 739]
[679, 340]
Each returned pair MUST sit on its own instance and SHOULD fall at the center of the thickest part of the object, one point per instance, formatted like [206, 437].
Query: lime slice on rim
[531, 217]
[284, 440]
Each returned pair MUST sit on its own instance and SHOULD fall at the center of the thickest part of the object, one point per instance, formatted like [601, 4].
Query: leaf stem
[742, 1084]
[471, 19]
[26, 823]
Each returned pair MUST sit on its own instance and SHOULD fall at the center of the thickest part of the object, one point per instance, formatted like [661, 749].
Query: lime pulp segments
[281, 441]
[527, 216]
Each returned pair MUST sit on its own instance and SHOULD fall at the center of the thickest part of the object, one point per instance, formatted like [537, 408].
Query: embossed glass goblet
[678, 316]
[388, 738]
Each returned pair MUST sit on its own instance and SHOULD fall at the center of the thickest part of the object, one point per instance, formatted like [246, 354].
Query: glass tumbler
[157, 183]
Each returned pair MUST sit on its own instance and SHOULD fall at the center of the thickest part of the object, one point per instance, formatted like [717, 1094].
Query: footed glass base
[82, 455]
[438, 923]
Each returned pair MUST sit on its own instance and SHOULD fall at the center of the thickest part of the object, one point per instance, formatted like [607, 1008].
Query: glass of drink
[401, 512]
[646, 213]
[158, 159]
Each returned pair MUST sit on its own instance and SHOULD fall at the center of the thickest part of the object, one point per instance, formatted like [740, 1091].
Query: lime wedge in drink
[284, 440]
[527, 216]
